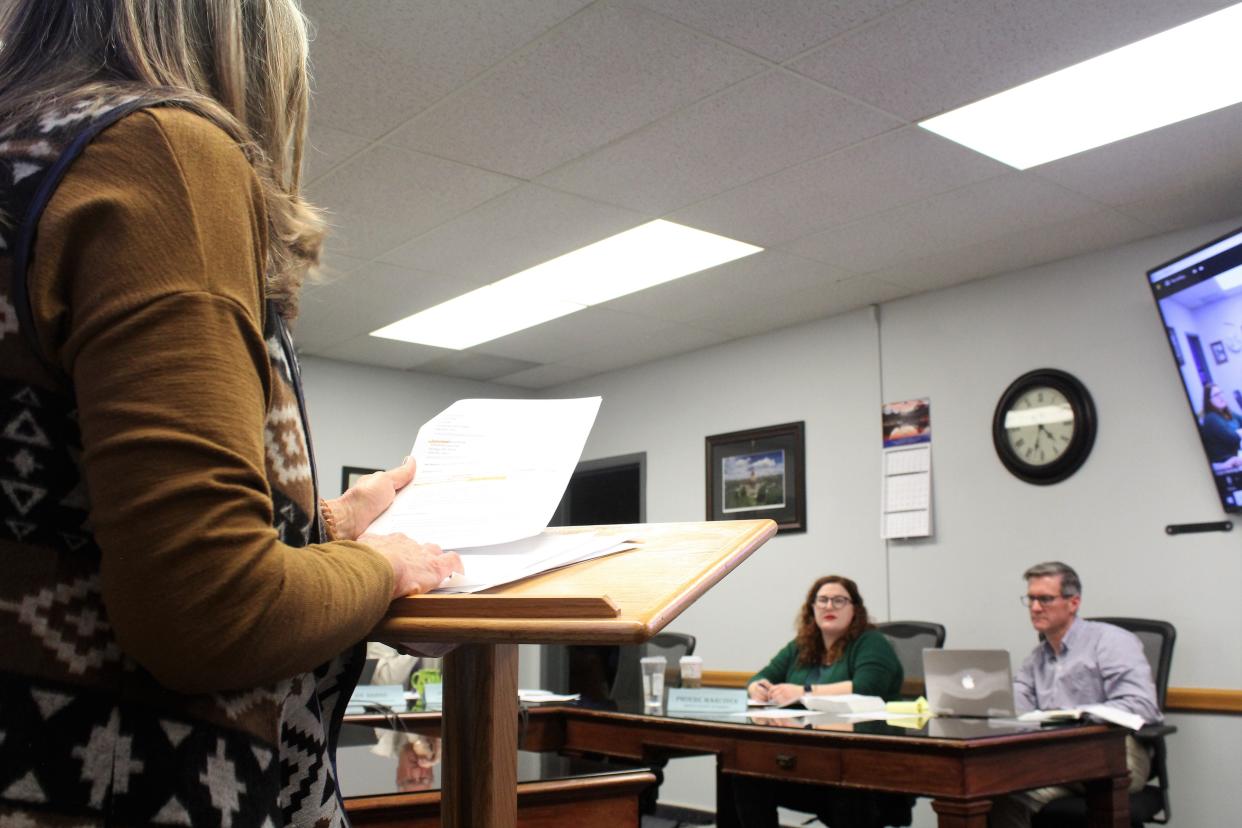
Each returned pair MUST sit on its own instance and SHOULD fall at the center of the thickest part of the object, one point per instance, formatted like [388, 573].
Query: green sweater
[869, 662]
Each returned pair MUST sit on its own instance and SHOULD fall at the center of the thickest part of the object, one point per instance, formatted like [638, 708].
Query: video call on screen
[1200, 299]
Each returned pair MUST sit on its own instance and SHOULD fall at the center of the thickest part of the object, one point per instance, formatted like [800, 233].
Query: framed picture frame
[759, 473]
[1177, 349]
[1219, 353]
[350, 475]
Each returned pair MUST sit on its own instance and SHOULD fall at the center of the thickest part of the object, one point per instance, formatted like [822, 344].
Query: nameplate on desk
[390, 696]
[433, 695]
[705, 700]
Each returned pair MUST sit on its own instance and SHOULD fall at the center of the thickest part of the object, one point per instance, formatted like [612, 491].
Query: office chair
[909, 639]
[628, 685]
[1151, 804]
[627, 689]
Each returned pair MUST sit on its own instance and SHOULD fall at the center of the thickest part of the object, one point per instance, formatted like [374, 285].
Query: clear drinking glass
[653, 680]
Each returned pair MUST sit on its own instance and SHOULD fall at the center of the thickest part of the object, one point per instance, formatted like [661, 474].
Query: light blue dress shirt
[1098, 664]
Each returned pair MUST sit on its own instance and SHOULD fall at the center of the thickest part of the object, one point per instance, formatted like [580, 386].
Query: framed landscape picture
[758, 473]
[350, 475]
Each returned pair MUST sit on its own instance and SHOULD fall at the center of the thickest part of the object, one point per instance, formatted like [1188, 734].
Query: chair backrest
[671, 645]
[1158, 638]
[909, 639]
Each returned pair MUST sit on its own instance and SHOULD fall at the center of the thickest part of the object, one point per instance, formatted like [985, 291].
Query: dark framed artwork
[759, 473]
[350, 475]
[1177, 349]
[1218, 353]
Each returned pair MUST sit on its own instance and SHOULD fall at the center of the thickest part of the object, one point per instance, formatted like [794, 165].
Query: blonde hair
[240, 63]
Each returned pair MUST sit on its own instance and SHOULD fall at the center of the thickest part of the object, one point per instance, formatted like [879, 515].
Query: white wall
[1091, 315]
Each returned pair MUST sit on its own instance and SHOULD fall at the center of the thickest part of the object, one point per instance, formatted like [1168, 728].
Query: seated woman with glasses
[836, 650]
[1222, 429]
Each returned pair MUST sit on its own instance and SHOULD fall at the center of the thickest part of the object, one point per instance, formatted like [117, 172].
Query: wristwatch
[807, 689]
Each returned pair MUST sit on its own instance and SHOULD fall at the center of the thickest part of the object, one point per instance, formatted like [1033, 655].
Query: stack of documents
[544, 696]
[1100, 711]
[489, 477]
[843, 703]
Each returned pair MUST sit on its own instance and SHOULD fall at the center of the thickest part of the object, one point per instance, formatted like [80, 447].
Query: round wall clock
[1044, 426]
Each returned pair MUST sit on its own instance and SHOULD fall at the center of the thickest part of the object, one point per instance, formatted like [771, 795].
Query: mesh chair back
[1158, 638]
[909, 639]
[672, 645]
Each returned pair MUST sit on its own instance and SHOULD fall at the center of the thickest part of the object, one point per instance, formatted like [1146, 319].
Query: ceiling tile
[659, 343]
[1194, 203]
[802, 306]
[1166, 159]
[905, 165]
[379, 62]
[333, 266]
[935, 55]
[361, 302]
[585, 331]
[386, 353]
[523, 227]
[474, 365]
[325, 148]
[723, 288]
[1019, 249]
[545, 376]
[385, 196]
[991, 208]
[776, 29]
[753, 128]
[602, 74]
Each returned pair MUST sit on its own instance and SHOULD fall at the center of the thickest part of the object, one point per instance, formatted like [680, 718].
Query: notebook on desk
[972, 683]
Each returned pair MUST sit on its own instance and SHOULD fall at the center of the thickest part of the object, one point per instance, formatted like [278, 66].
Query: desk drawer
[785, 762]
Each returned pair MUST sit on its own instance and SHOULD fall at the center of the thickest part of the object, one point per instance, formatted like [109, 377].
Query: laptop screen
[975, 683]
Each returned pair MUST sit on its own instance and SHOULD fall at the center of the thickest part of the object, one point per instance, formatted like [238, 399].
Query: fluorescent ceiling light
[474, 317]
[1230, 279]
[642, 257]
[1177, 74]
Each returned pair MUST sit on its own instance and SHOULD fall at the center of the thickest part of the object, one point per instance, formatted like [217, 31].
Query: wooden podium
[620, 599]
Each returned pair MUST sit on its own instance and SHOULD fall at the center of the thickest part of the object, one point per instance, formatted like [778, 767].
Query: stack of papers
[544, 697]
[843, 703]
[1100, 711]
[502, 563]
[490, 475]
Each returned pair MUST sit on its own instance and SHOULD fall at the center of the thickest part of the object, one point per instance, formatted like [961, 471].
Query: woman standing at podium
[836, 650]
[180, 615]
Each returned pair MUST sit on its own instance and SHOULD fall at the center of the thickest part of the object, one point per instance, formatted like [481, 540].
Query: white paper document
[490, 566]
[777, 713]
[490, 471]
[1114, 715]
[534, 696]
[489, 476]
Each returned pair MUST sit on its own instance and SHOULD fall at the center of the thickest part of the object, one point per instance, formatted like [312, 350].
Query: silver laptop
[975, 683]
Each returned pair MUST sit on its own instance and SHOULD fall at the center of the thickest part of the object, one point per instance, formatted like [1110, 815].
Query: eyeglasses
[837, 601]
[1042, 600]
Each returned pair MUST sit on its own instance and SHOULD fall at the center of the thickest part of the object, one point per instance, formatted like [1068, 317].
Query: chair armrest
[1152, 732]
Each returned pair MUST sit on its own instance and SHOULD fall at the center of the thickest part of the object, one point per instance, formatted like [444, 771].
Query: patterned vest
[86, 735]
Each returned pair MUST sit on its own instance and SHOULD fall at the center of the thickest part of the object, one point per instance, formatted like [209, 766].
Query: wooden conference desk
[391, 791]
[960, 764]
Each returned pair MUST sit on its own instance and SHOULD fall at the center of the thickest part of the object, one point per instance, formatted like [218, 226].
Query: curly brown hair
[811, 650]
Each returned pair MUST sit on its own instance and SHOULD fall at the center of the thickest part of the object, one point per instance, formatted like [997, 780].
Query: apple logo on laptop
[968, 682]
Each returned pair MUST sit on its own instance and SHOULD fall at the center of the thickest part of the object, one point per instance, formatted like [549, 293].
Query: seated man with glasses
[1077, 662]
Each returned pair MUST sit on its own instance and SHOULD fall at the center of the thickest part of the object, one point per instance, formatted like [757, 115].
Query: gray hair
[1070, 584]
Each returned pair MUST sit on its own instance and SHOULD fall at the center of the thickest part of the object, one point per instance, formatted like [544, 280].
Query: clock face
[1044, 426]
[1039, 425]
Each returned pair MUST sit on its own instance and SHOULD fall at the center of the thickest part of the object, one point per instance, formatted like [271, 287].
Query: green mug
[420, 679]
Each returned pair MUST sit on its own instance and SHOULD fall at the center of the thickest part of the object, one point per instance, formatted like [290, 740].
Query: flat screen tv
[1199, 296]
